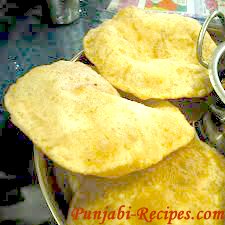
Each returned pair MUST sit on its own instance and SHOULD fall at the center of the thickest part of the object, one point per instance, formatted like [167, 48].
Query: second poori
[150, 55]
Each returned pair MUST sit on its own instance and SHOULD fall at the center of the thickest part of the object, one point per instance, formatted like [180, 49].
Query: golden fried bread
[80, 122]
[150, 55]
[190, 179]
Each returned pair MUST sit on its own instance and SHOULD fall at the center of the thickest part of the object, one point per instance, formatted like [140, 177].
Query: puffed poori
[150, 55]
[80, 122]
[190, 179]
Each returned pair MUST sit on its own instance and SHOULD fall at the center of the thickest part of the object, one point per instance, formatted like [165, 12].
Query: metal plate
[47, 177]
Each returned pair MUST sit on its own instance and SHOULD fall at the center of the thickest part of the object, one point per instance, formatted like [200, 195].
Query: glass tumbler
[64, 11]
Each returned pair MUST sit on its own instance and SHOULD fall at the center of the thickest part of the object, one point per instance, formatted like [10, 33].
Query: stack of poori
[123, 152]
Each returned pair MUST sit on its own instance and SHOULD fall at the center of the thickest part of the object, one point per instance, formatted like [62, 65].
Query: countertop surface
[27, 42]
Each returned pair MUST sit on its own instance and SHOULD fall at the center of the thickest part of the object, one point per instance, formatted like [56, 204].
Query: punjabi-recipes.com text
[145, 214]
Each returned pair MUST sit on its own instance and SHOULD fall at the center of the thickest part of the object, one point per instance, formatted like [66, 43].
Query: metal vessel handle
[213, 71]
[202, 35]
